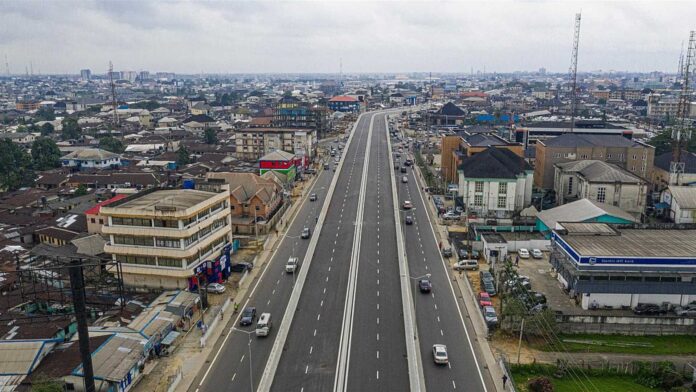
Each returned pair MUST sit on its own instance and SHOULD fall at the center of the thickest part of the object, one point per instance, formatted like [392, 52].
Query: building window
[133, 240]
[101, 221]
[164, 242]
[142, 260]
[131, 222]
[167, 223]
[570, 185]
[502, 201]
[601, 194]
[478, 186]
[168, 262]
[621, 157]
[478, 200]
[502, 188]
[583, 156]
[608, 156]
[557, 155]
[92, 220]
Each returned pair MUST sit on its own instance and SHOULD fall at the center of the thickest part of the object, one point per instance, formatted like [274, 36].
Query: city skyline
[306, 37]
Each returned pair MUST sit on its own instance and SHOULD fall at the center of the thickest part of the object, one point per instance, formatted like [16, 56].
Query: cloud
[390, 36]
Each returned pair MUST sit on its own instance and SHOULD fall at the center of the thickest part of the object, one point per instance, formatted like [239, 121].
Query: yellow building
[163, 237]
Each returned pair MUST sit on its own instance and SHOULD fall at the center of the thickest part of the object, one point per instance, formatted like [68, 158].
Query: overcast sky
[61, 36]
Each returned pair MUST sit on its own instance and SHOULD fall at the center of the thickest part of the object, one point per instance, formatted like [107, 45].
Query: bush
[540, 384]
[679, 389]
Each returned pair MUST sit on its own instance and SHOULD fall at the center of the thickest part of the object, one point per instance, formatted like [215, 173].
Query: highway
[377, 358]
[440, 316]
[309, 357]
[228, 369]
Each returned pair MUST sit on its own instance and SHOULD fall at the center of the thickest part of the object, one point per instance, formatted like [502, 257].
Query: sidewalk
[189, 358]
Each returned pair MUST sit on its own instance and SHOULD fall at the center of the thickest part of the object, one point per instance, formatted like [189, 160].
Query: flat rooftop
[178, 199]
[602, 240]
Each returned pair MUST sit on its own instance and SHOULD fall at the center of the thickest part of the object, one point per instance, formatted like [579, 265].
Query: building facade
[253, 143]
[91, 158]
[344, 103]
[168, 238]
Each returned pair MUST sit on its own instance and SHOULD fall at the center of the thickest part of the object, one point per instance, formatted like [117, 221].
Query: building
[85, 75]
[253, 143]
[449, 161]
[344, 103]
[662, 175]
[682, 203]
[23, 138]
[633, 156]
[95, 220]
[533, 132]
[449, 115]
[601, 182]
[290, 112]
[495, 183]
[455, 148]
[281, 162]
[605, 266]
[582, 211]
[167, 238]
[91, 158]
[666, 107]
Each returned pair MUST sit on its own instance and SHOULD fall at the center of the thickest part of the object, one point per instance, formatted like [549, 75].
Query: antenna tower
[681, 131]
[574, 72]
[340, 75]
[113, 92]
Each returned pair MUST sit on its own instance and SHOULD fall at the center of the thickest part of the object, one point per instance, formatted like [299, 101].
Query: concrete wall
[625, 300]
[626, 325]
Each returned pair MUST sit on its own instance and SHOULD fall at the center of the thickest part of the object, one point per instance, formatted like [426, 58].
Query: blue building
[344, 103]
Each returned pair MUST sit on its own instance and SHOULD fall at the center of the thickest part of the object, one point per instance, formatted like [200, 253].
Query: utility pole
[113, 93]
[519, 343]
[681, 132]
[574, 72]
[77, 284]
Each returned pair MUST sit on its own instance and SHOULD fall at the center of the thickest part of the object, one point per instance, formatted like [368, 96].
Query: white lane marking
[377, 320]
[438, 319]
[322, 304]
[268, 302]
[234, 376]
[273, 291]
[378, 374]
[242, 358]
[324, 290]
[310, 349]
[318, 316]
[377, 354]
[435, 306]
[315, 332]
[442, 333]
[306, 369]
[454, 386]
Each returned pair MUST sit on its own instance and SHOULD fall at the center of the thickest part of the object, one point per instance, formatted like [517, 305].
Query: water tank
[189, 184]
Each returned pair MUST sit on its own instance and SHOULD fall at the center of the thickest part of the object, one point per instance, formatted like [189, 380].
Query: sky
[62, 36]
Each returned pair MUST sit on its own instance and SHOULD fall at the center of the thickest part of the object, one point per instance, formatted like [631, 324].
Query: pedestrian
[505, 378]
[439, 245]
[316, 219]
[222, 314]
[517, 261]
[236, 307]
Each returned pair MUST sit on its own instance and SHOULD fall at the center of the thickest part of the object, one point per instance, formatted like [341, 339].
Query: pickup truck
[292, 265]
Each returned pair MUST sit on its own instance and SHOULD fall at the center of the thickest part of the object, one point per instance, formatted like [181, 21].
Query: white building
[93, 158]
[495, 183]
[682, 203]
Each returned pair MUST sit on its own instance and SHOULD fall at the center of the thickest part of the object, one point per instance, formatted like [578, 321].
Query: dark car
[403, 169]
[306, 233]
[313, 197]
[425, 286]
[462, 253]
[241, 267]
[648, 309]
[408, 220]
[248, 316]
[489, 287]
[447, 251]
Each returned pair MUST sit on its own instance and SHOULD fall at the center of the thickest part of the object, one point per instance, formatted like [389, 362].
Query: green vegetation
[109, 143]
[47, 129]
[15, 166]
[648, 345]
[45, 114]
[210, 136]
[45, 154]
[183, 156]
[70, 129]
[601, 380]
[663, 143]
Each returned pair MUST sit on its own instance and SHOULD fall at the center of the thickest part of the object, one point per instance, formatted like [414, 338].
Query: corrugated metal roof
[684, 195]
[19, 357]
[580, 211]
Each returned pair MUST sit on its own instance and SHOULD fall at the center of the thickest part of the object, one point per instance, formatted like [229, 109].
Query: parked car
[440, 354]
[306, 233]
[407, 205]
[648, 309]
[292, 265]
[686, 310]
[248, 316]
[489, 287]
[451, 215]
[215, 288]
[447, 251]
[462, 253]
[490, 316]
[536, 253]
[408, 220]
[486, 275]
[313, 197]
[466, 264]
[523, 253]
[484, 299]
[425, 286]
[241, 267]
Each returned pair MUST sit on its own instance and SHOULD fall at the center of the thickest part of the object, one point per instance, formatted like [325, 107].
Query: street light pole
[251, 370]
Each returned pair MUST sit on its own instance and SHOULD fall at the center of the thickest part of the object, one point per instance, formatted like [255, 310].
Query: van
[263, 326]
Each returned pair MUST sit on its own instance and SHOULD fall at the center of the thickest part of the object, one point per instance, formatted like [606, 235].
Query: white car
[292, 264]
[536, 253]
[440, 354]
[523, 253]
[215, 288]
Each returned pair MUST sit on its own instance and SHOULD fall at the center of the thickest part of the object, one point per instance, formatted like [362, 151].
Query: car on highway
[292, 265]
[536, 253]
[313, 197]
[407, 205]
[404, 179]
[306, 233]
[408, 220]
[425, 286]
[215, 288]
[241, 267]
[484, 299]
[440, 354]
[248, 316]
[466, 265]
[403, 169]
[263, 326]
[327, 166]
[490, 316]
[523, 253]
[408, 162]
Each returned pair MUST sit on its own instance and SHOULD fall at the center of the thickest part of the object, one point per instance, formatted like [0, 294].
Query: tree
[183, 157]
[70, 129]
[112, 144]
[81, 190]
[210, 136]
[42, 385]
[47, 129]
[45, 114]
[45, 154]
[15, 166]
[602, 101]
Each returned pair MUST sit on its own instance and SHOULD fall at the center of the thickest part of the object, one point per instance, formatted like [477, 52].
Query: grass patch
[601, 382]
[649, 345]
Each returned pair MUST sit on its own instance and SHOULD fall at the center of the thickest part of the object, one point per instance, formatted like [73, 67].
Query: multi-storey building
[253, 143]
[633, 156]
[169, 238]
